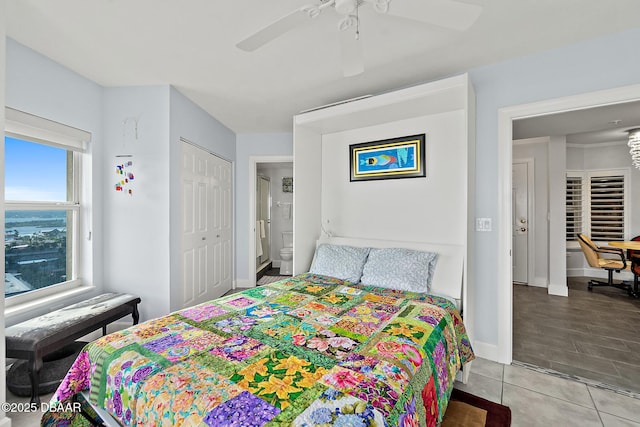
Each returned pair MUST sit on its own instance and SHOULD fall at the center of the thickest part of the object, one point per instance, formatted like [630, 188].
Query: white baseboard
[485, 350]
[575, 272]
[598, 273]
[541, 282]
[5, 422]
[537, 285]
[559, 290]
[242, 283]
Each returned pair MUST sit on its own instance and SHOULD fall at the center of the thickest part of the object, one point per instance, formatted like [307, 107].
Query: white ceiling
[191, 44]
[609, 123]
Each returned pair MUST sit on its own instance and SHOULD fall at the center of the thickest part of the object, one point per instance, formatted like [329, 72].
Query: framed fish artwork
[388, 159]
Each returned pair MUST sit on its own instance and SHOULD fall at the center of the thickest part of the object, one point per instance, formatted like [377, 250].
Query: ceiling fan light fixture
[634, 146]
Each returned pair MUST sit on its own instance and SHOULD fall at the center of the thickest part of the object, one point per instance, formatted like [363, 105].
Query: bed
[312, 350]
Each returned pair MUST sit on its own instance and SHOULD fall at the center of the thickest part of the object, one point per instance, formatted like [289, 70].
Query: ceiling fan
[444, 13]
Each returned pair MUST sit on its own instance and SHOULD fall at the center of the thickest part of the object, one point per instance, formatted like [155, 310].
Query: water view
[35, 250]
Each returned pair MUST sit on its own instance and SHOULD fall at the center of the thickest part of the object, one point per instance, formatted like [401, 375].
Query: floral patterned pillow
[342, 262]
[401, 269]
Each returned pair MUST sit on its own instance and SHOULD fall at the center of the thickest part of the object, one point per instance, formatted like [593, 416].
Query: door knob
[523, 221]
[523, 229]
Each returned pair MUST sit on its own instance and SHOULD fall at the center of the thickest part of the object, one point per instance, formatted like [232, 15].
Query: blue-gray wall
[40, 86]
[247, 146]
[602, 63]
[191, 122]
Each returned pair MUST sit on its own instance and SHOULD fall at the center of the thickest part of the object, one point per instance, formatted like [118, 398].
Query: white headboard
[448, 276]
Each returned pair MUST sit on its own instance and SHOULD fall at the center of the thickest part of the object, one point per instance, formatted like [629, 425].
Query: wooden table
[633, 245]
[35, 338]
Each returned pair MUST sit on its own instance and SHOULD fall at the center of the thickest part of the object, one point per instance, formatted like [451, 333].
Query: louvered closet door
[206, 226]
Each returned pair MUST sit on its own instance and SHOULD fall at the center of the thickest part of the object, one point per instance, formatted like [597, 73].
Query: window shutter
[574, 207]
[607, 207]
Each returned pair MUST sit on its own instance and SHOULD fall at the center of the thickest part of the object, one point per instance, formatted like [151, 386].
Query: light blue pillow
[342, 262]
[401, 269]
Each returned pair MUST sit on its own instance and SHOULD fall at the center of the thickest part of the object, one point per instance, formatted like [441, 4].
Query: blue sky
[34, 171]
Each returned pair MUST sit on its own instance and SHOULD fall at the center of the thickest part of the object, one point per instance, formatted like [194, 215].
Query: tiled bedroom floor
[538, 399]
[595, 335]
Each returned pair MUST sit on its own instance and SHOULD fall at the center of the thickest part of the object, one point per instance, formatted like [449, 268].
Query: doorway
[280, 210]
[206, 226]
[557, 265]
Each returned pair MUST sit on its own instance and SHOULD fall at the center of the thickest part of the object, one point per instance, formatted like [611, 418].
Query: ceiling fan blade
[444, 13]
[274, 30]
[352, 58]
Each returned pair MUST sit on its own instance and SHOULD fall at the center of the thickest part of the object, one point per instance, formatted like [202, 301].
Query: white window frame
[27, 127]
[586, 176]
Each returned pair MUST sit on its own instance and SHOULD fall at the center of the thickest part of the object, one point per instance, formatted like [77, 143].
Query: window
[42, 205]
[575, 220]
[597, 204]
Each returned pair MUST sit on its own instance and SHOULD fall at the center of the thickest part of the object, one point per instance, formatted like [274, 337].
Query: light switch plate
[483, 224]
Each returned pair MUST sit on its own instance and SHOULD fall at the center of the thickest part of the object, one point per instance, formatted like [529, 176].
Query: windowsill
[54, 300]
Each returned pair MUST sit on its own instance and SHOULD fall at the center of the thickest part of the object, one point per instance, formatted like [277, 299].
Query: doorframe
[268, 225]
[506, 116]
[531, 200]
[253, 175]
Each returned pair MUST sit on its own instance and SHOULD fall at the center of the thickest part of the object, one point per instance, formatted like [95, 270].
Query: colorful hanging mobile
[126, 176]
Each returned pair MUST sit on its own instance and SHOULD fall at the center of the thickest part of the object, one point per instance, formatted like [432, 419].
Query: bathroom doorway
[271, 214]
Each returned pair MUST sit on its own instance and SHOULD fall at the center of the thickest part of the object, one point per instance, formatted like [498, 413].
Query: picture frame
[287, 184]
[395, 158]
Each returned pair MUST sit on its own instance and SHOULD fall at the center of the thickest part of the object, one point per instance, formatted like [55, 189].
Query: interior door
[206, 220]
[520, 226]
[263, 214]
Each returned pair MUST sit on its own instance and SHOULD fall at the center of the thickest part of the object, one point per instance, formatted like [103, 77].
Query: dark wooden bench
[38, 337]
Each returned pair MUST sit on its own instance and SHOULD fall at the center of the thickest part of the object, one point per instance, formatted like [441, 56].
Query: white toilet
[286, 253]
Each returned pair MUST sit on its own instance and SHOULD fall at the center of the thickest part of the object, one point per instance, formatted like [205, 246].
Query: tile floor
[594, 335]
[538, 399]
[535, 399]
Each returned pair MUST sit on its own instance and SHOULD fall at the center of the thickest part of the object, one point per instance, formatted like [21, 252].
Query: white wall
[247, 146]
[536, 149]
[279, 222]
[588, 66]
[40, 86]
[136, 252]
[189, 121]
[131, 238]
[416, 209]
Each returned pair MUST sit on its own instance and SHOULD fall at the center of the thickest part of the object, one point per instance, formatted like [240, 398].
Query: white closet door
[206, 226]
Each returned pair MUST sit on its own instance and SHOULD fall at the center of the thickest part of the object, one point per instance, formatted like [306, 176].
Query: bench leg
[135, 314]
[35, 365]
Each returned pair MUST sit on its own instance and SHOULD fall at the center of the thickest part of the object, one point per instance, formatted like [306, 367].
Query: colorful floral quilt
[310, 351]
